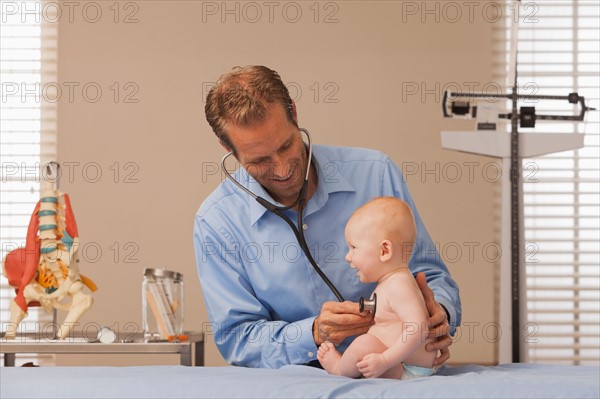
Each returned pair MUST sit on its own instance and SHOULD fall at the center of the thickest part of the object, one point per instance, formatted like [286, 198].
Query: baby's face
[363, 250]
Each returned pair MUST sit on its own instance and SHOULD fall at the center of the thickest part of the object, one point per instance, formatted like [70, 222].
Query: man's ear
[225, 146]
[294, 112]
[229, 150]
[385, 250]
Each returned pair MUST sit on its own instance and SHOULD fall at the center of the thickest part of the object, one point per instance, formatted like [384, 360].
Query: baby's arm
[410, 310]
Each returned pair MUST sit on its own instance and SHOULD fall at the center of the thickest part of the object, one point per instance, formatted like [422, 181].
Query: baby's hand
[373, 365]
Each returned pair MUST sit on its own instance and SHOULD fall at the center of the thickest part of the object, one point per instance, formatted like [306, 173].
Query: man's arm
[437, 323]
[425, 257]
[242, 326]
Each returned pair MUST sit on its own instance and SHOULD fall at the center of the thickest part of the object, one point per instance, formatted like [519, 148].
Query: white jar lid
[163, 273]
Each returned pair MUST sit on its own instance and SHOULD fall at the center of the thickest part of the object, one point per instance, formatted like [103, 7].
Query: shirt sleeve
[241, 325]
[425, 257]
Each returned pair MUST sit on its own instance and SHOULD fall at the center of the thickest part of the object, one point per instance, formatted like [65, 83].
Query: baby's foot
[329, 357]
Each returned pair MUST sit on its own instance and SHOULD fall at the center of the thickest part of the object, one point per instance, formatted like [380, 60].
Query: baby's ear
[385, 250]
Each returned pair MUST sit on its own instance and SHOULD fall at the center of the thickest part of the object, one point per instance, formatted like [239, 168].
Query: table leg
[9, 359]
[186, 356]
[199, 353]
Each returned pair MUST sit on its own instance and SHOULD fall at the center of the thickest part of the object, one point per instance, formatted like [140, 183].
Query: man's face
[273, 153]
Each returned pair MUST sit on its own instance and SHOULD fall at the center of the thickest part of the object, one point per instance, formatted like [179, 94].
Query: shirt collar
[330, 180]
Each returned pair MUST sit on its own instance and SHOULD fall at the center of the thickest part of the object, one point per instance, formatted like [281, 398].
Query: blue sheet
[505, 381]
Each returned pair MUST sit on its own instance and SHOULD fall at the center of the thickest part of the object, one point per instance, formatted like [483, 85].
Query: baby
[380, 237]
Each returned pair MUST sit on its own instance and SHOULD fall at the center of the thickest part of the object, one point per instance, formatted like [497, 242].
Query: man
[267, 305]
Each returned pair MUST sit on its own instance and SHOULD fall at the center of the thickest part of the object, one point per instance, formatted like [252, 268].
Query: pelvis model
[45, 272]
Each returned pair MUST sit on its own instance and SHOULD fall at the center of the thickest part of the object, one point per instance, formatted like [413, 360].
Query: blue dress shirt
[261, 293]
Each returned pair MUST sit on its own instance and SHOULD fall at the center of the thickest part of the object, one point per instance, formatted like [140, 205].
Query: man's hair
[242, 96]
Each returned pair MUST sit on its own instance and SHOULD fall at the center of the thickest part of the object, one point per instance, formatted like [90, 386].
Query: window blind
[28, 69]
[558, 44]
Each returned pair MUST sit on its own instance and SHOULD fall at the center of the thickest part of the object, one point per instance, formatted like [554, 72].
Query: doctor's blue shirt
[261, 293]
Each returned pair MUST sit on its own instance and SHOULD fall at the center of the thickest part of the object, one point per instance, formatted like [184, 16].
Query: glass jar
[162, 305]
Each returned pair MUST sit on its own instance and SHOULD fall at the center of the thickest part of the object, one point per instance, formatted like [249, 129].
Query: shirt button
[304, 226]
[310, 354]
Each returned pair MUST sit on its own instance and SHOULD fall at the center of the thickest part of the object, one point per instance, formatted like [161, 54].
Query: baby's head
[379, 234]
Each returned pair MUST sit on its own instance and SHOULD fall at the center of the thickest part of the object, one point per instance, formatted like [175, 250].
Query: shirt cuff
[306, 343]
[450, 313]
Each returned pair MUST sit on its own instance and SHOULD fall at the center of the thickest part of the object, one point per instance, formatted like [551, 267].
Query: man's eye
[286, 146]
[256, 163]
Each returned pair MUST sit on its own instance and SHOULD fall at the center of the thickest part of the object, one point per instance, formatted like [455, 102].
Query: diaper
[412, 372]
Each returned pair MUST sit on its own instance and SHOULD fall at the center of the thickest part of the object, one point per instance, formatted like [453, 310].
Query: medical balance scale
[510, 148]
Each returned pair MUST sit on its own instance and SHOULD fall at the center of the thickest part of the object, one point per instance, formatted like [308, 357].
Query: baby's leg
[359, 348]
[345, 364]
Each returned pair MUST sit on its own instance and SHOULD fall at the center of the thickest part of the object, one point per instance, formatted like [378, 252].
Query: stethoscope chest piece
[369, 305]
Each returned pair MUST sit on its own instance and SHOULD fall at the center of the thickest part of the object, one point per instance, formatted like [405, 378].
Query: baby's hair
[394, 219]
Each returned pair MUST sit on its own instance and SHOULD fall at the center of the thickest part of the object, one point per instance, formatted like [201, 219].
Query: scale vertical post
[515, 183]
[515, 247]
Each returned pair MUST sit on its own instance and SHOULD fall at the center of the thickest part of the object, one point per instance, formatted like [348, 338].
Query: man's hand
[339, 320]
[437, 323]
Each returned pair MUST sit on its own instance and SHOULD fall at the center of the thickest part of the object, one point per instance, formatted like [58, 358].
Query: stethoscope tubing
[278, 210]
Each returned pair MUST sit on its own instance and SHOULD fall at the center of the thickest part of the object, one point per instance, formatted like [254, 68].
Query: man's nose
[279, 167]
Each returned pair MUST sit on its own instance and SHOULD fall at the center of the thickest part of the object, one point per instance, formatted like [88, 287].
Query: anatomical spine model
[45, 272]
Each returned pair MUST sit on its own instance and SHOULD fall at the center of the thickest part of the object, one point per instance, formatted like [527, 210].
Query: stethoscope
[368, 305]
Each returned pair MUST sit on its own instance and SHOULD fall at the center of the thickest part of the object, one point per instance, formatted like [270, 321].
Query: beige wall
[349, 67]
